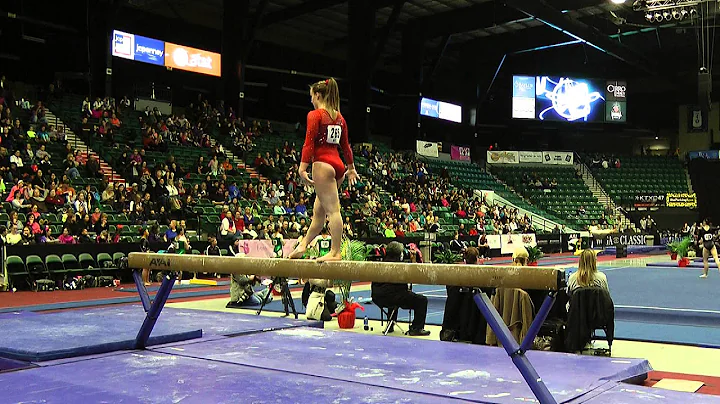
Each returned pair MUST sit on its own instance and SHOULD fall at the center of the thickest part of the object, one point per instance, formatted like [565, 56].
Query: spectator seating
[642, 175]
[473, 177]
[563, 201]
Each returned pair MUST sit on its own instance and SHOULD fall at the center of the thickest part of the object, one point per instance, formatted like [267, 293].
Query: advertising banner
[428, 149]
[705, 154]
[684, 200]
[493, 241]
[502, 157]
[509, 242]
[531, 157]
[138, 48]
[624, 239]
[558, 158]
[191, 59]
[649, 200]
[460, 153]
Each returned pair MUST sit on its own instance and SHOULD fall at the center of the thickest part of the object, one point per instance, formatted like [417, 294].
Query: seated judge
[392, 295]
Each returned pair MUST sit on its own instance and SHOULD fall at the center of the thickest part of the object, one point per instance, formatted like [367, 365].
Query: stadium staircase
[642, 175]
[238, 163]
[109, 174]
[599, 193]
[471, 176]
[563, 201]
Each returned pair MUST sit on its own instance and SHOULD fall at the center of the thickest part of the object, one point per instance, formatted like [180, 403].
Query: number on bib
[708, 237]
[333, 134]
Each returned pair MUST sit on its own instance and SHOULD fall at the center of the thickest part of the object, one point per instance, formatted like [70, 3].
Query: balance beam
[474, 276]
[365, 271]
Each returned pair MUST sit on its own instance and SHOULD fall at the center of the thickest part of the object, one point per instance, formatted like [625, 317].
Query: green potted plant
[447, 257]
[351, 250]
[679, 249]
[534, 254]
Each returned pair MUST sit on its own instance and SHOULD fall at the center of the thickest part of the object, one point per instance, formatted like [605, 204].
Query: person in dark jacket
[398, 294]
[591, 308]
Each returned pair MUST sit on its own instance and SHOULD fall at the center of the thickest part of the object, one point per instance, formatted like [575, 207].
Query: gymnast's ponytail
[329, 91]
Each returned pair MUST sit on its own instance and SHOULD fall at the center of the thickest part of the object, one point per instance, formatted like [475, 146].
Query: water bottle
[366, 324]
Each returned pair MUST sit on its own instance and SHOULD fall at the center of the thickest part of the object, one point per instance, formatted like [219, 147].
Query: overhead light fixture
[693, 13]
[649, 17]
[658, 17]
[676, 14]
[618, 1]
[667, 15]
[683, 14]
[657, 138]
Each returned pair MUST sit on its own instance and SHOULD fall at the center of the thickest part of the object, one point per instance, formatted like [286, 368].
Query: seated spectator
[66, 237]
[392, 295]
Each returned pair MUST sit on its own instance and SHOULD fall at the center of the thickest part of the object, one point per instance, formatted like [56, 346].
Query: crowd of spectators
[415, 192]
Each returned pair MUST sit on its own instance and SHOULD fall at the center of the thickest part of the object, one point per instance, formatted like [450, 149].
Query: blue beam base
[154, 310]
[142, 290]
[516, 353]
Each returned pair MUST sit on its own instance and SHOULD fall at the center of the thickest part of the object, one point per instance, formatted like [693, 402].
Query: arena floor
[243, 358]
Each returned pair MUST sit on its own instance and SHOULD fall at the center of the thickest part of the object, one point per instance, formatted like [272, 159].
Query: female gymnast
[326, 131]
[706, 235]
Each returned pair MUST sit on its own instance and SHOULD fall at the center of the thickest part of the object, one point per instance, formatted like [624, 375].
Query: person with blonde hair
[520, 257]
[326, 133]
[587, 274]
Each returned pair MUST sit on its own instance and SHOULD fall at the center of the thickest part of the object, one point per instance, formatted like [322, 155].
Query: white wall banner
[531, 157]
[558, 158]
[502, 157]
[428, 149]
[493, 241]
[511, 241]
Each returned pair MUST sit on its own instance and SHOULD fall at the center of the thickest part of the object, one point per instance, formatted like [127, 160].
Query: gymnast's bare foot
[148, 284]
[330, 257]
[298, 252]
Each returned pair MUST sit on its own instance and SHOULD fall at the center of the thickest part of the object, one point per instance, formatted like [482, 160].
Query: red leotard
[324, 136]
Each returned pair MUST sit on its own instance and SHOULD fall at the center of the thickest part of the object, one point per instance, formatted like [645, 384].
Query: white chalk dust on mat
[469, 374]
[303, 333]
[457, 393]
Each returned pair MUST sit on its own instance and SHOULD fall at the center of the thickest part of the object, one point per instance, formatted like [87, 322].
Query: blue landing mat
[676, 288]
[471, 372]
[175, 287]
[149, 377]
[693, 264]
[118, 300]
[211, 322]
[706, 337]
[70, 334]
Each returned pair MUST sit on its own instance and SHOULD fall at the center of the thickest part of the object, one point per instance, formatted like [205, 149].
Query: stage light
[658, 17]
[649, 17]
[667, 15]
[676, 14]
[618, 1]
[693, 13]
[683, 14]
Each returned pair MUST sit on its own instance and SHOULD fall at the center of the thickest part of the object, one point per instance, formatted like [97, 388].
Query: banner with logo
[460, 153]
[684, 200]
[509, 242]
[191, 59]
[531, 157]
[697, 119]
[428, 149]
[622, 239]
[705, 154]
[649, 200]
[138, 48]
[558, 158]
[503, 157]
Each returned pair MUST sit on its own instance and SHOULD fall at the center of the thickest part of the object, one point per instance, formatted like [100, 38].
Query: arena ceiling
[453, 27]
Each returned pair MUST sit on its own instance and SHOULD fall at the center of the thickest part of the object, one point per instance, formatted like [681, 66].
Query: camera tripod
[285, 294]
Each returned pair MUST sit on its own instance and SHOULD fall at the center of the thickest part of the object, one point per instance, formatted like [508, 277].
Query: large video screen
[566, 99]
[441, 110]
[157, 52]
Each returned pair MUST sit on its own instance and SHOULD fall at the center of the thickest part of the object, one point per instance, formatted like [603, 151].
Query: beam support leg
[516, 353]
[155, 309]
